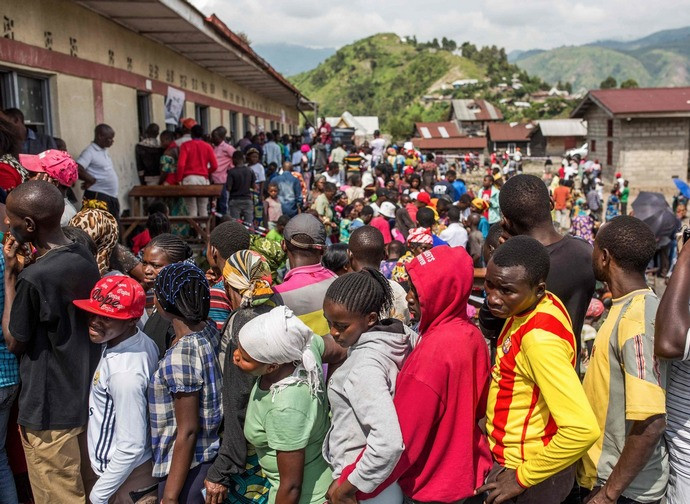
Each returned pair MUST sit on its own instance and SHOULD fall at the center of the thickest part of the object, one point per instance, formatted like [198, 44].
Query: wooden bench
[138, 195]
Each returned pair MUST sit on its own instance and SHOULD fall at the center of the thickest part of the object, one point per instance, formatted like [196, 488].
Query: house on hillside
[70, 65]
[472, 116]
[364, 126]
[445, 138]
[509, 137]
[643, 133]
[552, 137]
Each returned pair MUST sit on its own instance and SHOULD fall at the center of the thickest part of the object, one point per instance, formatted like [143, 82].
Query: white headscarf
[279, 337]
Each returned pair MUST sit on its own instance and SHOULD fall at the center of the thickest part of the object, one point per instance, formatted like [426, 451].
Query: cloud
[514, 25]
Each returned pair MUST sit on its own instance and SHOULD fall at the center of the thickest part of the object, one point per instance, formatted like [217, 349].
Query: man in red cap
[119, 448]
[187, 125]
[58, 168]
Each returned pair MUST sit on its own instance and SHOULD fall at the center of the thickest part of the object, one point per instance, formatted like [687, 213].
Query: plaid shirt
[189, 366]
[9, 366]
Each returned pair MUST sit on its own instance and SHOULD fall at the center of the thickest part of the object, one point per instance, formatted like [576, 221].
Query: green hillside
[660, 59]
[390, 77]
[382, 75]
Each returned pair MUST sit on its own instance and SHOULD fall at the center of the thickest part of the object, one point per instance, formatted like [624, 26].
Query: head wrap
[420, 235]
[248, 273]
[182, 290]
[280, 337]
[480, 204]
[103, 230]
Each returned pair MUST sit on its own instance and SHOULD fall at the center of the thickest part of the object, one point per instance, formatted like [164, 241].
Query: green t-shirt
[292, 420]
[625, 193]
[274, 235]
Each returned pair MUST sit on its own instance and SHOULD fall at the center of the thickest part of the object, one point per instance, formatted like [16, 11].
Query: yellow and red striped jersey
[539, 421]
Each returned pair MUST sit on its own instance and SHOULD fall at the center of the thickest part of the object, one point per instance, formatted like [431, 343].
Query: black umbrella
[653, 209]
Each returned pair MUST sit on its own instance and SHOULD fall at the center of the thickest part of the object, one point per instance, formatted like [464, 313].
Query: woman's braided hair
[174, 247]
[364, 292]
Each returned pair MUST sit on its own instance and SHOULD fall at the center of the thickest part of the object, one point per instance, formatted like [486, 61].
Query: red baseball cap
[189, 123]
[117, 296]
[56, 163]
[408, 171]
[424, 198]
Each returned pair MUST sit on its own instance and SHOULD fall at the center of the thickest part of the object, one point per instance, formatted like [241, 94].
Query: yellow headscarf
[248, 273]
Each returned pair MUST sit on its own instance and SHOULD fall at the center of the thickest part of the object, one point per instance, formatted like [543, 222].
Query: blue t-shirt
[437, 241]
[460, 189]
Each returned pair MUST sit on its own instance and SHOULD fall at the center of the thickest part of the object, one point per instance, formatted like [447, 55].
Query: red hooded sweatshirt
[441, 390]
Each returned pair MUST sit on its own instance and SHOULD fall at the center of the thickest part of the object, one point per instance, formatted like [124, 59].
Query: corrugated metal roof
[502, 132]
[660, 102]
[447, 129]
[475, 110]
[363, 124]
[562, 127]
[206, 41]
[458, 143]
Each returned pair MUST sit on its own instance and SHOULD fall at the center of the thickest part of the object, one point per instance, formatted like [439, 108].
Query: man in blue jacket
[289, 191]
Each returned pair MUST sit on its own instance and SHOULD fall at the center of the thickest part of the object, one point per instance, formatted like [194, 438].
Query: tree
[245, 38]
[630, 83]
[608, 83]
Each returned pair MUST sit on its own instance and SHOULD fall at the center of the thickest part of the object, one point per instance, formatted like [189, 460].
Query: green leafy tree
[630, 83]
[608, 83]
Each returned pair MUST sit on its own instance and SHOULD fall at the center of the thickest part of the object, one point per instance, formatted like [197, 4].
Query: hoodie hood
[389, 337]
[443, 278]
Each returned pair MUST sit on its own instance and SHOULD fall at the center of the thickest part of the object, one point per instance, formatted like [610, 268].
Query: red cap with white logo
[116, 296]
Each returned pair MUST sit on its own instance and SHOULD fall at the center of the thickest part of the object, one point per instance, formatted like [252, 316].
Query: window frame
[10, 94]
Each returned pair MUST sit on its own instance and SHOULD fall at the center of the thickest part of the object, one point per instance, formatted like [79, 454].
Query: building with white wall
[70, 65]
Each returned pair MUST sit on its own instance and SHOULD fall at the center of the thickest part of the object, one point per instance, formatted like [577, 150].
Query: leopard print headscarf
[103, 230]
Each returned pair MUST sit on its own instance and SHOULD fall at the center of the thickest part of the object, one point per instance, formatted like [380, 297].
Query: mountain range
[659, 59]
[291, 59]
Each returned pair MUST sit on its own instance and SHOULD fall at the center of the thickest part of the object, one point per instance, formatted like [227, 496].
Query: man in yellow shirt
[628, 464]
[538, 420]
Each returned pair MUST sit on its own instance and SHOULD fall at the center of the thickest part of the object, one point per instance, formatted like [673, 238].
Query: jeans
[8, 493]
[242, 209]
[222, 205]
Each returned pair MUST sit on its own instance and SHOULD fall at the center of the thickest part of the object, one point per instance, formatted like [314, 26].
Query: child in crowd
[287, 417]
[276, 234]
[337, 259]
[364, 218]
[394, 251]
[349, 215]
[118, 436]
[185, 391]
[613, 204]
[156, 224]
[272, 206]
[455, 234]
[475, 241]
[479, 207]
[364, 425]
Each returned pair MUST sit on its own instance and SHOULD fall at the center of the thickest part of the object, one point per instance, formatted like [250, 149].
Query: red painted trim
[98, 101]
[20, 53]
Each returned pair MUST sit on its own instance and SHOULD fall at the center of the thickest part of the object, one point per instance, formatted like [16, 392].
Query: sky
[513, 24]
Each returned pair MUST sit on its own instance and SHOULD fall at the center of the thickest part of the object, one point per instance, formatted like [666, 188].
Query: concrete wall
[654, 150]
[648, 152]
[120, 109]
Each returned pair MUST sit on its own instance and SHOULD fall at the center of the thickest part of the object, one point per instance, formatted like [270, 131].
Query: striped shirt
[624, 384]
[303, 291]
[220, 305]
[191, 365]
[9, 366]
[538, 418]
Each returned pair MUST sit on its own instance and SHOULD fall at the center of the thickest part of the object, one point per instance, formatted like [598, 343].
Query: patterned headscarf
[9, 159]
[248, 273]
[420, 235]
[182, 290]
[103, 230]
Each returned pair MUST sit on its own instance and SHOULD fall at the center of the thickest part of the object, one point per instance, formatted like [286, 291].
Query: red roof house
[643, 133]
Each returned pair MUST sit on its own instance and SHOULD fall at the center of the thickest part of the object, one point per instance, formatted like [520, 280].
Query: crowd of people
[356, 328]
